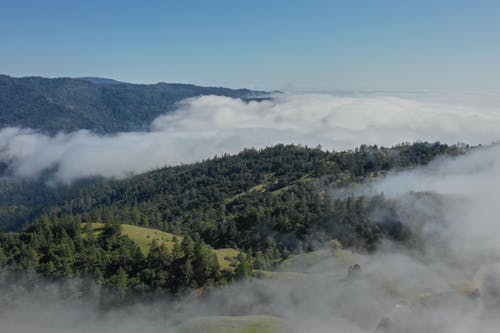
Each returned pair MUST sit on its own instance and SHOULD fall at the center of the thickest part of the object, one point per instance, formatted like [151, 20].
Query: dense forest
[100, 105]
[64, 248]
[268, 204]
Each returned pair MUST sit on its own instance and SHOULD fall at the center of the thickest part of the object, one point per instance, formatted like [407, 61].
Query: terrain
[283, 239]
[230, 215]
[144, 238]
[96, 104]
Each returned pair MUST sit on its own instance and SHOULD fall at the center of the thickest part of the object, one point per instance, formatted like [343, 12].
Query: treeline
[273, 201]
[21, 201]
[268, 203]
[61, 248]
[276, 200]
[171, 198]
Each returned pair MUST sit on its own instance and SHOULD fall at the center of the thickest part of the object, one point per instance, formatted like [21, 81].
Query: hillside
[273, 201]
[100, 105]
[115, 256]
[261, 210]
[144, 237]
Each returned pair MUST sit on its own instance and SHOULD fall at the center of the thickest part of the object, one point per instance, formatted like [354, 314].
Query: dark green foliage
[269, 204]
[275, 201]
[244, 268]
[66, 104]
[54, 247]
[23, 200]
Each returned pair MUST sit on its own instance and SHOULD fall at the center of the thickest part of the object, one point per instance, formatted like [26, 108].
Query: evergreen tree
[244, 268]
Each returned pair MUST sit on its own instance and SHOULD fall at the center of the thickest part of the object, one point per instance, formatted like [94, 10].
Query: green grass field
[243, 324]
[143, 237]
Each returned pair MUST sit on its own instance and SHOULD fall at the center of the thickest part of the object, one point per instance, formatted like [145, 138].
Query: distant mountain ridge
[98, 104]
[100, 80]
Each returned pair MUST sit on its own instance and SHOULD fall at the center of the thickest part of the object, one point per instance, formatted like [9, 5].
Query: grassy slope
[314, 264]
[243, 324]
[309, 259]
[143, 237]
[269, 181]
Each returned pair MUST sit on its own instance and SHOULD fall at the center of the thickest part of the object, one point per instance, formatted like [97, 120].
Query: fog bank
[209, 125]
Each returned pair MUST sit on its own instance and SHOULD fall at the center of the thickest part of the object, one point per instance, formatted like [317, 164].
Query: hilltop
[268, 203]
[97, 104]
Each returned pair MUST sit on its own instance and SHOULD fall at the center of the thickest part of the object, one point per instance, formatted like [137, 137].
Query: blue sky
[297, 45]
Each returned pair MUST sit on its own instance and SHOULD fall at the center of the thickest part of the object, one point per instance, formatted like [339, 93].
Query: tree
[244, 269]
[119, 280]
[89, 232]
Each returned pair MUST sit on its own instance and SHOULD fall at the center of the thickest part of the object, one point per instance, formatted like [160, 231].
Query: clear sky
[301, 45]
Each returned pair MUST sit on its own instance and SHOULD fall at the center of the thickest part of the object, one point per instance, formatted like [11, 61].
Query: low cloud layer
[469, 186]
[210, 125]
[430, 287]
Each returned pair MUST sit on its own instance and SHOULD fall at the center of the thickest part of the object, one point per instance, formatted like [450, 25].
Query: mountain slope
[276, 200]
[100, 105]
[143, 238]
[269, 204]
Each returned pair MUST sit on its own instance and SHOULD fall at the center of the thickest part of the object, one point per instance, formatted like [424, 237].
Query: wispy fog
[205, 126]
[448, 281]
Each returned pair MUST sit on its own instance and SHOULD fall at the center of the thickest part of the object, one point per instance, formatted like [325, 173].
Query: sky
[288, 45]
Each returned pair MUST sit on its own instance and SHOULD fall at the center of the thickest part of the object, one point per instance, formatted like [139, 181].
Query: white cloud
[205, 126]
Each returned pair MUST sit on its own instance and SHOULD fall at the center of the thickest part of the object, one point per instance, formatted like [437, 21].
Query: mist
[206, 126]
[447, 282]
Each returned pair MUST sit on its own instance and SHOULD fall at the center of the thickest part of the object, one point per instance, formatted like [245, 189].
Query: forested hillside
[274, 200]
[100, 105]
[268, 203]
[64, 248]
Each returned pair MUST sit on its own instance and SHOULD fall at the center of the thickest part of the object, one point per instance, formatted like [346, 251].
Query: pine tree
[244, 269]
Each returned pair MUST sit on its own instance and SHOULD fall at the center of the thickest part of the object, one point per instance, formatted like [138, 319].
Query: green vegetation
[66, 104]
[227, 258]
[62, 248]
[144, 238]
[257, 208]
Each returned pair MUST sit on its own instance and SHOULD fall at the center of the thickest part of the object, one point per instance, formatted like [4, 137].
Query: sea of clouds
[206, 126]
[428, 288]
